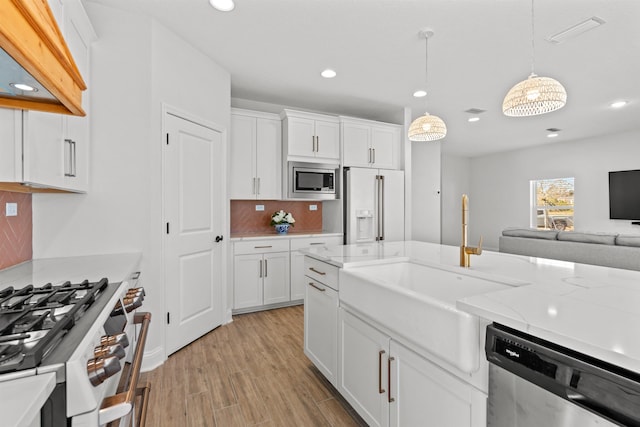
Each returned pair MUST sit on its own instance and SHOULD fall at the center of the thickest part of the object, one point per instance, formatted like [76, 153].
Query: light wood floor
[250, 372]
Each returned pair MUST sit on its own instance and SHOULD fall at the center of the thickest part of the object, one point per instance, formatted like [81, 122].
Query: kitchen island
[590, 309]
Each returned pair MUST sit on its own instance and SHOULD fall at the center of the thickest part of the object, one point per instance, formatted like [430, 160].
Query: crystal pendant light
[535, 95]
[427, 127]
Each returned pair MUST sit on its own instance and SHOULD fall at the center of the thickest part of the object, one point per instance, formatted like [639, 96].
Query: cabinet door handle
[389, 398]
[317, 144]
[374, 155]
[73, 163]
[258, 191]
[320, 289]
[370, 156]
[313, 143]
[70, 158]
[380, 389]
[260, 268]
[254, 186]
[266, 272]
[317, 272]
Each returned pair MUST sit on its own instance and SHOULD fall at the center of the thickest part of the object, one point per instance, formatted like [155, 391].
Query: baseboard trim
[267, 307]
[152, 359]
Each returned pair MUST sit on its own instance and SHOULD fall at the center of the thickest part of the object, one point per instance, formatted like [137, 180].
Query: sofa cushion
[531, 233]
[599, 238]
[628, 240]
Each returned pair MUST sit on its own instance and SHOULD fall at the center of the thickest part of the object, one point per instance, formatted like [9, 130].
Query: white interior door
[193, 205]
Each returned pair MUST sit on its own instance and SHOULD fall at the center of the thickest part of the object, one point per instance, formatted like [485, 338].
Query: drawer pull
[320, 289]
[316, 271]
[380, 389]
[263, 247]
[316, 243]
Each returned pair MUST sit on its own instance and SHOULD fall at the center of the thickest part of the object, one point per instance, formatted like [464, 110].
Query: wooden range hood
[30, 36]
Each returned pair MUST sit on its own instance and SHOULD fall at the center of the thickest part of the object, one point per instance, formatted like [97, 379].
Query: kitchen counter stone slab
[21, 399]
[591, 309]
[39, 272]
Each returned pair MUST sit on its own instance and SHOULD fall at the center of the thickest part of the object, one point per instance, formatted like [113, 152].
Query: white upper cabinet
[311, 137]
[370, 144]
[255, 155]
[54, 148]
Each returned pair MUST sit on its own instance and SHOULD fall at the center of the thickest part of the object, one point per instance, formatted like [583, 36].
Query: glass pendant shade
[427, 128]
[533, 96]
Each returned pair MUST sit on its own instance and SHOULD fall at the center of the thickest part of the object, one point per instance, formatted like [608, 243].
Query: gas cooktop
[35, 320]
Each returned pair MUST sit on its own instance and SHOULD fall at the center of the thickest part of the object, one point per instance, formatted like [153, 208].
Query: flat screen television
[624, 194]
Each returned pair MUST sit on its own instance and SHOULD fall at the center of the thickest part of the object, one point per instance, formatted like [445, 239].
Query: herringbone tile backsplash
[245, 218]
[15, 231]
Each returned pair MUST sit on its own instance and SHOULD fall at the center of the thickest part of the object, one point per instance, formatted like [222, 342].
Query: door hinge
[167, 139]
[168, 318]
[167, 228]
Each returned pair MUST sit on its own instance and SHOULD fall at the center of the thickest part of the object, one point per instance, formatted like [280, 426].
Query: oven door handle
[119, 405]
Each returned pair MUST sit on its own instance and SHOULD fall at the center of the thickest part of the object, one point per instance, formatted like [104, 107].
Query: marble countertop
[39, 272]
[21, 399]
[590, 309]
[273, 235]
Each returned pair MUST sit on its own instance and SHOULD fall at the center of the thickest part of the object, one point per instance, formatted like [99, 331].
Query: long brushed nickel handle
[320, 289]
[260, 268]
[380, 389]
[119, 405]
[389, 398]
[317, 272]
[265, 269]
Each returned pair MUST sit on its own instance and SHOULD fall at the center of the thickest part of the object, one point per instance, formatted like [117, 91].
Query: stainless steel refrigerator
[373, 205]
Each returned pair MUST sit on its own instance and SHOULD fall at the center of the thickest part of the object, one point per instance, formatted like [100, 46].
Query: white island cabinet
[390, 385]
[321, 317]
[51, 150]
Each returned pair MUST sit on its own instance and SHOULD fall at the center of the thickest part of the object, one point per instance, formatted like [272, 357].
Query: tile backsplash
[15, 231]
[245, 218]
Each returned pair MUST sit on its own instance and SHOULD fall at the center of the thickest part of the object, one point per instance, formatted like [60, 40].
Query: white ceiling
[275, 50]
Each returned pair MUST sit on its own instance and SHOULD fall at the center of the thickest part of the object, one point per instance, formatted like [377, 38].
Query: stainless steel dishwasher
[533, 382]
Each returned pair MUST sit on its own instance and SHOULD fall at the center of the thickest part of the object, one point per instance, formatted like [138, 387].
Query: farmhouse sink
[418, 303]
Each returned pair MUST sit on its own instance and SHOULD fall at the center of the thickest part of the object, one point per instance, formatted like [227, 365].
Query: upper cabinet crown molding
[30, 35]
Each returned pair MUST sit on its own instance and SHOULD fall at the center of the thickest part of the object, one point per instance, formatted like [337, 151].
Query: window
[552, 204]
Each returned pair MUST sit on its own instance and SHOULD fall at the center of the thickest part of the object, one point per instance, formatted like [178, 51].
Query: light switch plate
[11, 209]
[313, 207]
[259, 208]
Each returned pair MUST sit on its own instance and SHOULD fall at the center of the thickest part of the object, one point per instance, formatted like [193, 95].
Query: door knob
[219, 239]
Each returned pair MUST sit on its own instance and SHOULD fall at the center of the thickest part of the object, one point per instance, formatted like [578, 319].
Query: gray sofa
[606, 249]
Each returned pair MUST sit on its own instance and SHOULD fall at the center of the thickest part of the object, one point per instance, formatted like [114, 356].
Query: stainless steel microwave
[312, 181]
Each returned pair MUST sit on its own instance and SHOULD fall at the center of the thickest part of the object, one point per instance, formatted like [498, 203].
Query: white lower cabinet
[390, 385]
[260, 273]
[298, 282]
[321, 327]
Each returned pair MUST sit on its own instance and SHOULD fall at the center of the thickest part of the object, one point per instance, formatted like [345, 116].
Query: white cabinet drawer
[261, 246]
[309, 242]
[322, 272]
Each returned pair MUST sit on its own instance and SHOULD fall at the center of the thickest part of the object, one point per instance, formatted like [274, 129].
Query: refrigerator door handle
[381, 210]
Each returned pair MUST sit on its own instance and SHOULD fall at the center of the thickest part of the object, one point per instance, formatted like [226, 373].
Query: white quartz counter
[290, 235]
[38, 272]
[591, 309]
[21, 399]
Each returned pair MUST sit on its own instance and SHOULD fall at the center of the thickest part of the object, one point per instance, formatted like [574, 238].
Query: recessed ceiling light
[328, 73]
[420, 93]
[552, 135]
[618, 104]
[23, 87]
[473, 119]
[222, 5]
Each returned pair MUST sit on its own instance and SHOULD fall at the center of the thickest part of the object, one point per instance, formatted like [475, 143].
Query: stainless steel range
[85, 333]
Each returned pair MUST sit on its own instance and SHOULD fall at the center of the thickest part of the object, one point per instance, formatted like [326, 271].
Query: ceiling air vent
[576, 30]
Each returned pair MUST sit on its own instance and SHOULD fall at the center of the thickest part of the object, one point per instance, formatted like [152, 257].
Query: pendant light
[535, 95]
[427, 127]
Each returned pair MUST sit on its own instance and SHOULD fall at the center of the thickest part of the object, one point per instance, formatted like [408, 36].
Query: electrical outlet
[259, 208]
[313, 207]
[11, 209]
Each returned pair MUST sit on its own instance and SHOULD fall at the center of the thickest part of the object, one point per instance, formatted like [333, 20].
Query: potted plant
[282, 220]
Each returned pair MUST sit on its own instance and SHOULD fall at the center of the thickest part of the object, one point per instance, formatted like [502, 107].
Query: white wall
[122, 210]
[425, 191]
[455, 183]
[499, 184]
